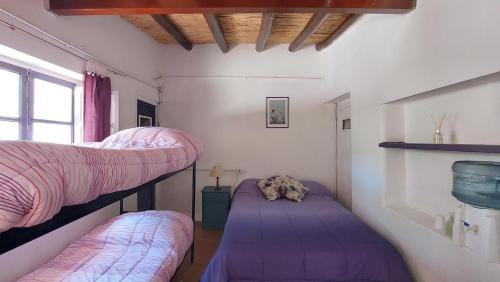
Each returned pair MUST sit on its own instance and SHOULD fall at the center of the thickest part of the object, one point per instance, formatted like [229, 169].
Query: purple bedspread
[315, 240]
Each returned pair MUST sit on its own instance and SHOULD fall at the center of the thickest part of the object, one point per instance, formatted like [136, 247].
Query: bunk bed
[46, 186]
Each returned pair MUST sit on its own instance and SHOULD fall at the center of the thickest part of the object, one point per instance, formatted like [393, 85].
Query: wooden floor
[206, 243]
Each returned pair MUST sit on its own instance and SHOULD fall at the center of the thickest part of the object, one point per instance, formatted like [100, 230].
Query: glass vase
[438, 137]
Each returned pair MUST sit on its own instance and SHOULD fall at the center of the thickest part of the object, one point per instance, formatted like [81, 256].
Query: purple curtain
[96, 107]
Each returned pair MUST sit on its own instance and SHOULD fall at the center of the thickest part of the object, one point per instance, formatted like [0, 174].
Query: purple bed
[315, 240]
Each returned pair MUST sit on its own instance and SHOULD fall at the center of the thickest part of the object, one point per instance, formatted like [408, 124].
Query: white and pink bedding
[37, 179]
[145, 246]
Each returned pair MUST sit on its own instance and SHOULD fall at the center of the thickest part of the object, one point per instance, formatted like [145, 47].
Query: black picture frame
[278, 115]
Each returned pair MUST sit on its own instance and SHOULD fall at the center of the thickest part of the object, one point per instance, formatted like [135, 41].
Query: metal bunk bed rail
[18, 236]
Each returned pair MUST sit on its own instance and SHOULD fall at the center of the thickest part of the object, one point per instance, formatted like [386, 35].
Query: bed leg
[121, 206]
[193, 209]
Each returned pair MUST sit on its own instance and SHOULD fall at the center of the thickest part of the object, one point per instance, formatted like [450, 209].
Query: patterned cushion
[277, 187]
[293, 190]
[270, 187]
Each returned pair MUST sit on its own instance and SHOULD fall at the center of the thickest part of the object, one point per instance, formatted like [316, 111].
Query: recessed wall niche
[418, 183]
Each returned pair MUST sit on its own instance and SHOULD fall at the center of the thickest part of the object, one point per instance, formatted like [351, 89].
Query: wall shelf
[415, 216]
[468, 148]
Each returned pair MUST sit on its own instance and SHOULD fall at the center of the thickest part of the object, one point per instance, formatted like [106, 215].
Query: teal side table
[215, 206]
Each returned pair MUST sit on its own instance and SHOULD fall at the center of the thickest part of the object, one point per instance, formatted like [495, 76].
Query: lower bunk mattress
[144, 246]
[314, 240]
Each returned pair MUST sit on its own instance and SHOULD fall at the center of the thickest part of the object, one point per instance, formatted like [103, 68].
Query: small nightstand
[215, 206]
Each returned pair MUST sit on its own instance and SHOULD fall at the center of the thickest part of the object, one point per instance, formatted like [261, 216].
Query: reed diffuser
[438, 136]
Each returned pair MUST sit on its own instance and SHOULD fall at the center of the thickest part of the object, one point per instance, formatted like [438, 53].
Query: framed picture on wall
[277, 112]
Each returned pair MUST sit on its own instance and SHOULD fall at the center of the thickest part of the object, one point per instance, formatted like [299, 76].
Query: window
[35, 106]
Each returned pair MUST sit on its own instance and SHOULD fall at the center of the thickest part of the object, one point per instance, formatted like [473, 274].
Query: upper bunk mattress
[37, 179]
[314, 240]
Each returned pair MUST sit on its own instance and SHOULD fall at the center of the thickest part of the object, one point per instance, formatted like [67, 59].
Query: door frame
[336, 101]
[144, 109]
[146, 199]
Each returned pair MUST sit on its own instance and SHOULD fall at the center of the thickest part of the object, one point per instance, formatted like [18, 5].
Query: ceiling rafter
[309, 30]
[173, 30]
[120, 7]
[348, 22]
[265, 31]
[213, 24]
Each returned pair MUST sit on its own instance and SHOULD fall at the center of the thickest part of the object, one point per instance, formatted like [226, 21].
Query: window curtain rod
[81, 54]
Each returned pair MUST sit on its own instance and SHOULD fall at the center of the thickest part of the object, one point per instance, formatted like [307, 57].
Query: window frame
[21, 120]
[27, 98]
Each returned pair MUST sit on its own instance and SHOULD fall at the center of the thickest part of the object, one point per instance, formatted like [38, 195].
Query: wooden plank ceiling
[263, 22]
[238, 28]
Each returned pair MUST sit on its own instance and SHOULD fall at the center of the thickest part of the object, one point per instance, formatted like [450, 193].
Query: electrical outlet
[241, 171]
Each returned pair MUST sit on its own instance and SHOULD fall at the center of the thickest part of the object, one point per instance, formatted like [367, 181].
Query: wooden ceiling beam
[173, 30]
[265, 31]
[214, 26]
[311, 27]
[348, 22]
[121, 7]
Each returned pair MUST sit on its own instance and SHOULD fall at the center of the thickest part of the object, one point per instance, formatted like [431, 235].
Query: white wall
[221, 99]
[386, 57]
[117, 43]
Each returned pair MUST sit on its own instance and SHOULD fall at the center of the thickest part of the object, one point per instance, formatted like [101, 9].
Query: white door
[344, 190]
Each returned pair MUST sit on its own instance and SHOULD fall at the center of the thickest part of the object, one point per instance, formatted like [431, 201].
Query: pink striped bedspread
[144, 246]
[37, 179]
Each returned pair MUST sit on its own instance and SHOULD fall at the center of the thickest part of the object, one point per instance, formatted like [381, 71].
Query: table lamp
[217, 172]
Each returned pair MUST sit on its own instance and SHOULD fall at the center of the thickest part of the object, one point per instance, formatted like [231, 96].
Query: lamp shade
[217, 171]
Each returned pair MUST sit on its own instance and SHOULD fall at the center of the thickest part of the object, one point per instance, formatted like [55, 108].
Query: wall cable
[79, 53]
[244, 76]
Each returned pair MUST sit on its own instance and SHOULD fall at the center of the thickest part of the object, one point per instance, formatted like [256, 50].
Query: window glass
[48, 112]
[52, 133]
[78, 115]
[52, 101]
[9, 94]
[9, 130]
